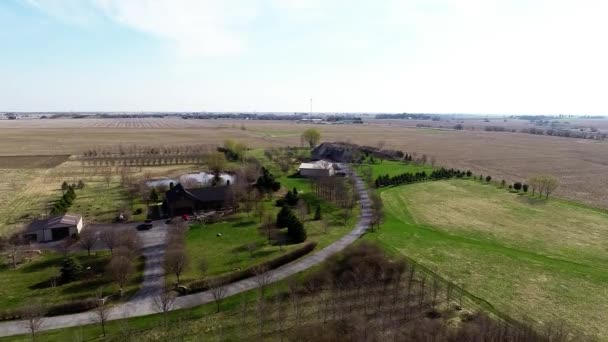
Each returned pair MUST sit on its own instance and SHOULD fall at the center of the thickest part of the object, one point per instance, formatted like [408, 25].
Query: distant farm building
[180, 201]
[54, 228]
[320, 168]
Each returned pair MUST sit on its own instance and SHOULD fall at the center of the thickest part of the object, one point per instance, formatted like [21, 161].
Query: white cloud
[196, 27]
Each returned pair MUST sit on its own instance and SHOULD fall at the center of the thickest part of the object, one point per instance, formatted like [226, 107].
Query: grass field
[393, 168]
[22, 284]
[528, 257]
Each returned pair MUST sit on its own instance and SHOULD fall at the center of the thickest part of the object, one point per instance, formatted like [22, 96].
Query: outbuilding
[54, 228]
[319, 168]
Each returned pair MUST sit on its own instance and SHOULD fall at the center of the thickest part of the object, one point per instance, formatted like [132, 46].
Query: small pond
[191, 180]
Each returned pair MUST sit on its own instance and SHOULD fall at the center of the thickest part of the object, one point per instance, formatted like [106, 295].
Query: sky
[432, 56]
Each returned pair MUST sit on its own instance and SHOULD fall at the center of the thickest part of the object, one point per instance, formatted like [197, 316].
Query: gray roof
[204, 194]
[65, 220]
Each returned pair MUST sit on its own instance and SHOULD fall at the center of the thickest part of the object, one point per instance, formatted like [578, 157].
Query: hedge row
[66, 308]
[204, 284]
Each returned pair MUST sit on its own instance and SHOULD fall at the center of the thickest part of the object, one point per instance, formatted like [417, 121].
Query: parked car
[147, 225]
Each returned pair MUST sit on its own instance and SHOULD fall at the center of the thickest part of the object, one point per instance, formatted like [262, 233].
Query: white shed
[320, 168]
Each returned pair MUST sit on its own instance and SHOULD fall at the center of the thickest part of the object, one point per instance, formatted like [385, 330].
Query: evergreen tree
[296, 231]
[318, 213]
[154, 195]
[64, 186]
[285, 217]
[71, 270]
[267, 182]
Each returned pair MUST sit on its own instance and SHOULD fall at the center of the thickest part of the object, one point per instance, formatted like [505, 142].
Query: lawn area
[26, 281]
[98, 202]
[393, 168]
[228, 252]
[542, 259]
[203, 317]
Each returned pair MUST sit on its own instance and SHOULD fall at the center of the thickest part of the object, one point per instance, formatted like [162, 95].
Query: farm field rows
[528, 257]
[580, 165]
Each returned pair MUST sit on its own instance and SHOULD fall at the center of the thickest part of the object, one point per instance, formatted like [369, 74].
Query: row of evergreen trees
[62, 206]
[409, 177]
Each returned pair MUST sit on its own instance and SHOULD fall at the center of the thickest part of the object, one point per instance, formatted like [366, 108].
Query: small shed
[54, 228]
[320, 168]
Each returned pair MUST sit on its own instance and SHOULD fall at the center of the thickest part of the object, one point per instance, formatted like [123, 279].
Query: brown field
[32, 162]
[581, 165]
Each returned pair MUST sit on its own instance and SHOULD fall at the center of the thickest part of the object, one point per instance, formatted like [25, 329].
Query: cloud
[194, 28]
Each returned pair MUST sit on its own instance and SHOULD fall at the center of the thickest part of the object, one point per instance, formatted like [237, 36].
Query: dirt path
[141, 305]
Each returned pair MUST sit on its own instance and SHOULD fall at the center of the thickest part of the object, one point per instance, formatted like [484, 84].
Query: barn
[54, 228]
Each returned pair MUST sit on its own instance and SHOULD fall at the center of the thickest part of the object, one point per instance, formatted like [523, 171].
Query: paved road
[141, 305]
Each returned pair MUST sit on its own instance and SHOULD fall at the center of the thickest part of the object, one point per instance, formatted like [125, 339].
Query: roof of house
[204, 194]
[65, 220]
[319, 164]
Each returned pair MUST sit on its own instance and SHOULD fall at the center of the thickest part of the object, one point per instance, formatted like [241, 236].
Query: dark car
[147, 225]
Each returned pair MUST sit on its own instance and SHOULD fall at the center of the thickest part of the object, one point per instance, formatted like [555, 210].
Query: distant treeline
[408, 116]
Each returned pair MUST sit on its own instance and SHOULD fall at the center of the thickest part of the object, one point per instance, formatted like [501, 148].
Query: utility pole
[311, 106]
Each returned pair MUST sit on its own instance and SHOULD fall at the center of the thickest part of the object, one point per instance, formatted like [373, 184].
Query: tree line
[409, 177]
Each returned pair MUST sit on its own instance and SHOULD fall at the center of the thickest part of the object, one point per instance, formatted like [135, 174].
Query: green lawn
[228, 252]
[528, 257]
[98, 202]
[393, 168]
[25, 282]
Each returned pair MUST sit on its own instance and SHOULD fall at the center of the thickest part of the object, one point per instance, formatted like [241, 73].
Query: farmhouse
[180, 200]
[320, 168]
[54, 228]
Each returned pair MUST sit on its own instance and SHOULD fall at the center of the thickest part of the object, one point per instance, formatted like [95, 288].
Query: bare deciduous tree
[262, 278]
[33, 315]
[176, 261]
[120, 270]
[14, 248]
[164, 302]
[87, 239]
[102, 311]
[111, 238]
[219, 292]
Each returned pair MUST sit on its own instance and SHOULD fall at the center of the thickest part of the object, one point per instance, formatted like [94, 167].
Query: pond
[191, 180]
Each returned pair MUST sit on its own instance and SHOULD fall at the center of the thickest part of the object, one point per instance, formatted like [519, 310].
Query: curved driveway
[141, 304]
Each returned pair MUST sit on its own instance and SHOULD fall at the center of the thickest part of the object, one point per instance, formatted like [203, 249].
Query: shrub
[517, 186]
[74, 306]
[525, 187]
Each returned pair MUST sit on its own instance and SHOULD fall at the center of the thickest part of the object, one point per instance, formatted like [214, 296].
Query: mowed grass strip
[393, 168]
[528, 258]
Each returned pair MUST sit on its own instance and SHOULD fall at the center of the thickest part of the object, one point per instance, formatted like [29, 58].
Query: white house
[54, 228]
[320, 168]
